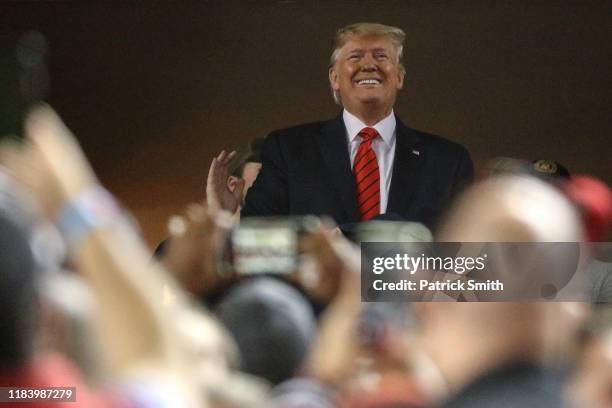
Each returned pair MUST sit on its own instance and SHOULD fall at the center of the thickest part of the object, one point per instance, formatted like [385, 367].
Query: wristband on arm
[93, 208]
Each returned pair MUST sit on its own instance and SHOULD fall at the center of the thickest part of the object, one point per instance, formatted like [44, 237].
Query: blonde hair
[394, 34]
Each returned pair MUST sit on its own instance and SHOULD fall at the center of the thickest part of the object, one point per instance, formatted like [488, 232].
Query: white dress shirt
[383, 146]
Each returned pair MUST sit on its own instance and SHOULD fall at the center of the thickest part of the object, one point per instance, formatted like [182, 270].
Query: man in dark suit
[365, 162]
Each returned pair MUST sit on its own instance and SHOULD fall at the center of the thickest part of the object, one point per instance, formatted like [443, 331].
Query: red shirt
[55, 370]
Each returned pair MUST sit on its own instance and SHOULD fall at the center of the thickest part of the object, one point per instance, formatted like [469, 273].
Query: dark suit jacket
[306, 170]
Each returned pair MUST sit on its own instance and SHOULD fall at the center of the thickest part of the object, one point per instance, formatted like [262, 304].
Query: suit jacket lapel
[334, 149]
[406, 169]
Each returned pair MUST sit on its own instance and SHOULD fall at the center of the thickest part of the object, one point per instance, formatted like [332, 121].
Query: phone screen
[264, 248]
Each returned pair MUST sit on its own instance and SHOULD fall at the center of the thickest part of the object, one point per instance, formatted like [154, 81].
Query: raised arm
[135, 324]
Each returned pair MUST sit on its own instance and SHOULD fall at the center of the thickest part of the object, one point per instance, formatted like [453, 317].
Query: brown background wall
[153, 91]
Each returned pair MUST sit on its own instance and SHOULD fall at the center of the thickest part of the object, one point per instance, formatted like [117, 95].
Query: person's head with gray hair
[366, 66]
[273, 325]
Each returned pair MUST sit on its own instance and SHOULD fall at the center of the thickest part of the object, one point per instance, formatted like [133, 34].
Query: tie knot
[368, 133]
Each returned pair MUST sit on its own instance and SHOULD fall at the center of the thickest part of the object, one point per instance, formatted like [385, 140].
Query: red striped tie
[367, 176]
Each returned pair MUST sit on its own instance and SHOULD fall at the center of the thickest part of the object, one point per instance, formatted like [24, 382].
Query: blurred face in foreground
[367, 75]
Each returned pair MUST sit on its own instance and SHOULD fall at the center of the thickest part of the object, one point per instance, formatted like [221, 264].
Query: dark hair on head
[18, 284]
[273, 325]
[252, 154]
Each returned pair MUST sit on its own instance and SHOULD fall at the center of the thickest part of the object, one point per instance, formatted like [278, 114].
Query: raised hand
[196, 239]
[334, 352]
[50, 161]
[218, 194]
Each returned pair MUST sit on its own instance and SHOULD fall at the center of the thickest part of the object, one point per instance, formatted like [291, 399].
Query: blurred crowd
[85, 304]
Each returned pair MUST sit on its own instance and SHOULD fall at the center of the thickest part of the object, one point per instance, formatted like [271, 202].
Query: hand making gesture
[218, 194]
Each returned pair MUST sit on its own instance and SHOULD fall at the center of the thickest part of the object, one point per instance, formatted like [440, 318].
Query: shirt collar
[386, 127]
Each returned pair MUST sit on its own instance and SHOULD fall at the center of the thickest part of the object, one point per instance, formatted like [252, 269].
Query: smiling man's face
[367, 74]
